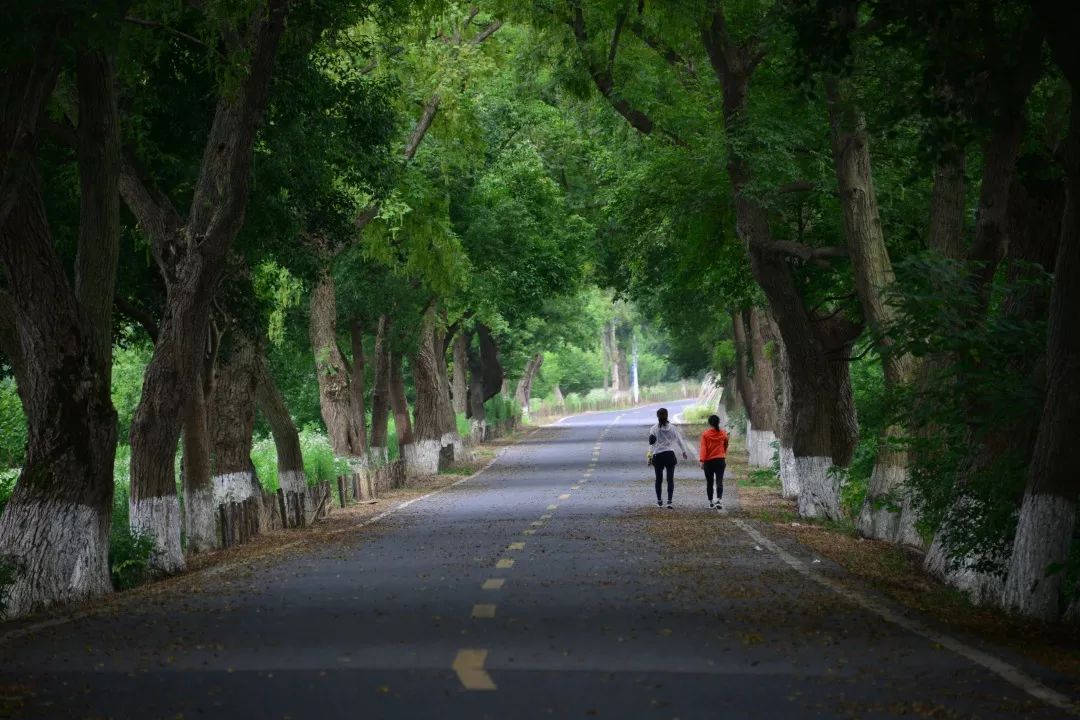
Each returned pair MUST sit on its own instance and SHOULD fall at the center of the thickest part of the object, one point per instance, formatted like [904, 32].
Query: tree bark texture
[494, 378]
[477, 413]
[335, 395]
[55, 528]
[290, 455]
[200, 510]
[761, 431]
[460, 383]
[428, 426]
[191, 256]
[380, 393]
[232, 421]
[887, 512]
[523, 394]
[1044, 533]
[399, 405]
[357, 387]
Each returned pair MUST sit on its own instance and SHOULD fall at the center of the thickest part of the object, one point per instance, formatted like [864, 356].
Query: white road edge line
[999, 667]
[30, 629]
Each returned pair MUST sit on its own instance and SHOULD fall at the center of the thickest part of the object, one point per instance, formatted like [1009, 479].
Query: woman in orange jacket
[713, 459]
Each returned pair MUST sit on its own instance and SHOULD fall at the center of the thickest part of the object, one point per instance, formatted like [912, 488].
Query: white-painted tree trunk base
[980, 588]
[233, 487]
[887, 513]
[789, 474]
[200, 526]
[159, 519]
[760, 448]
[477, 430]
[422, 458]
[60, 552]
[819, 490]
[378, 456]
[1043, 538]
[292, 481]
[461, 452]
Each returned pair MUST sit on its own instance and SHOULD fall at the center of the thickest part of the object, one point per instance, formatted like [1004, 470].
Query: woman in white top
[664, 439]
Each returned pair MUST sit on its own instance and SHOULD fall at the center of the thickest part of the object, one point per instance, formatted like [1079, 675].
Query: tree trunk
[55, 528]
[824, 427]
[477, 412]
[200, 510]
[399, 405]
[761, 430]
[380, 394]
[524, 388]
[459, 388]
[335, 395]
[290, 456]
[357, 387]
[447, 418]
[429, 428]
[232, 422]
[1044, 533]
[946, 232]
[192, 274]
[494, 378]
[887, 512]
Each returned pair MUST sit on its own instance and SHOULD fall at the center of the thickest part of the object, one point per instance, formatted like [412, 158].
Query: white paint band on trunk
[200, 520]
[159, 518]
[819, 489]
[233, 487]
[422, 457]
[760, 447]
[292, 481]
[75, 563]
[789, 474]
[1043, 537]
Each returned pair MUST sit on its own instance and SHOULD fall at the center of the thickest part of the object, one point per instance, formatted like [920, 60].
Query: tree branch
[487, 32]
[665, 51]
[173, 31]
[139, 315]
[806, 253]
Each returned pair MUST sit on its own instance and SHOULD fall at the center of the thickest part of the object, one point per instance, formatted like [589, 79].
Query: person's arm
[652, 434]
[726, 438]
[701, 450]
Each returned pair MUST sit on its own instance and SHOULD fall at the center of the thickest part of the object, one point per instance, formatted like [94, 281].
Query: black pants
[662, 462]
[714, 469]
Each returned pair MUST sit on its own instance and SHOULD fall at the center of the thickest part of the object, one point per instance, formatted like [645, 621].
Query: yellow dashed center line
[483, 610]
[564, 496]
[493, 584]
[504, 563]
[530, 531]
[575, 487]
[516, 546]
[469, 666]
[552, 507]
[537, 523]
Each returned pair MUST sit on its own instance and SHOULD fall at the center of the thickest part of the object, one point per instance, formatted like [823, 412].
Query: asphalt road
[533, 590]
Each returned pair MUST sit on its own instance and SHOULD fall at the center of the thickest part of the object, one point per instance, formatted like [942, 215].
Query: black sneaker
[669, 506]
[711, 504]
[719, 506]
[659, 503]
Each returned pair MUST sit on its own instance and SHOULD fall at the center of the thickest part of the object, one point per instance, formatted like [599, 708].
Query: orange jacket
[713, 445]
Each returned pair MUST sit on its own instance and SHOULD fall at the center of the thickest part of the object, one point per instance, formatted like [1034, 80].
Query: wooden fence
[240, 522]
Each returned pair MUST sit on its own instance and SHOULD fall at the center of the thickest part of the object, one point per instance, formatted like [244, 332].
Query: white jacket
[668, 439]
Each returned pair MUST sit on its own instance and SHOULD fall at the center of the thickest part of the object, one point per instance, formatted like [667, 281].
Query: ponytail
[661, 417]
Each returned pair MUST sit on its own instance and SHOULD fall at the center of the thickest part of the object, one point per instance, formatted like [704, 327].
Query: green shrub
[320, 463]
[129, 558]
[12, 426]
[697, 414]
[7, 485]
